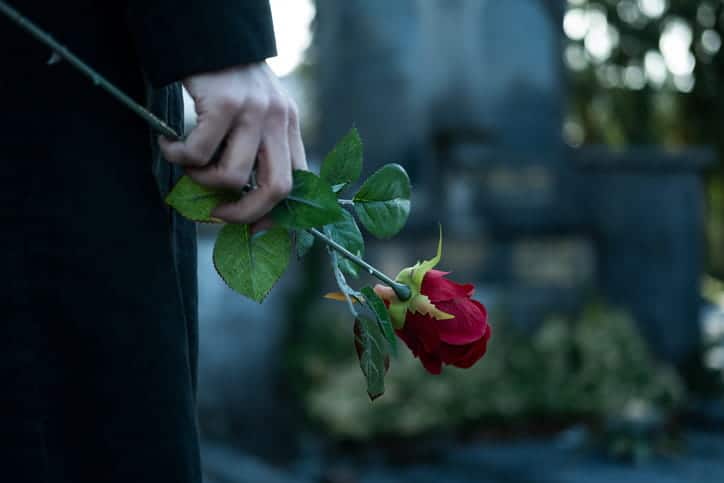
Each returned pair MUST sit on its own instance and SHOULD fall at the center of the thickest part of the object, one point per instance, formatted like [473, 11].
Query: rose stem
[401, 290]
[98, 80]
[341, 282]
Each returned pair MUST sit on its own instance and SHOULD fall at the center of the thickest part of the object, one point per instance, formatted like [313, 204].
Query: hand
[243, 113]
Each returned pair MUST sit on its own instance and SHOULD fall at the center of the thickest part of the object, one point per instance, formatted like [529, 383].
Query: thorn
[54, 59]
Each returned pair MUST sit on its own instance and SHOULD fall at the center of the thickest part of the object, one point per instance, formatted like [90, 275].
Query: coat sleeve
[178, 38]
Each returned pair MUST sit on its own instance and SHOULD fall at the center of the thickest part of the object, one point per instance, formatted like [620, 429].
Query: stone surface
[649, 239]
[555, 262]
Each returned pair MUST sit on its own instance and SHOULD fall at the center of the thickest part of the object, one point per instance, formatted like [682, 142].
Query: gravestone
[470, 95]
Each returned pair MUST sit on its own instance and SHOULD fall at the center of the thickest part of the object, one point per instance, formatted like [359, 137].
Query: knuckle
[293, 114]
[256, 106]
[277, 109]
[198, 155]
[229, 103]
[280, 188]
[231, 177]
[172, 154]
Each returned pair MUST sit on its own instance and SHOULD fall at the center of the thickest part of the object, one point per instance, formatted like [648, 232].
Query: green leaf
[373, 358]
[421, 269]
[417, 303]
[421, 304]
[347, 234]
[305, 242]
[377, 306]
[343, 165]
[251, 265]
[311, 204]
[398, 314]
[196, 202]
[383, 202]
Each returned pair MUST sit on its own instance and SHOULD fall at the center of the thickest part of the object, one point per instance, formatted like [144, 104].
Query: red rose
[460, 341]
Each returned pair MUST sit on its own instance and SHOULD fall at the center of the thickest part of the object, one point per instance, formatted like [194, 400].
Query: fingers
[201, 145]
[298, 160]
[296, 145]
[233, 170]
[274, 174]
[245, 115]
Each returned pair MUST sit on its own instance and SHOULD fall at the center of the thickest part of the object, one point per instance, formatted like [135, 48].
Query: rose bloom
[460, 341]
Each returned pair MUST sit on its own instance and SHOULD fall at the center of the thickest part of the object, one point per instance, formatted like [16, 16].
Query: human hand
[244, 115]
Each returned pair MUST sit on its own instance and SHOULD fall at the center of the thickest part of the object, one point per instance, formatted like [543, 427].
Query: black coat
[98, 290]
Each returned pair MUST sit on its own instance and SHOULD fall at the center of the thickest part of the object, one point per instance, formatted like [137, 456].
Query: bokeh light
[601, 37]
[652, 8]
[675, 45]
[628, 12]
[634, 78]
[710, 41]
[575, 24]
[655, 68]
[706, 15]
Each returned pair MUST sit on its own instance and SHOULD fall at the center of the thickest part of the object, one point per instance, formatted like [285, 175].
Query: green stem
[401, 290]
[341, 282]
[84, 68]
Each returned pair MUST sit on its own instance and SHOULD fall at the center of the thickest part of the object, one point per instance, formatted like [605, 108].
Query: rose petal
[422, 332]
[469, 324]
[439, 288]
[420, 335]
[467, 355]
[431, 362]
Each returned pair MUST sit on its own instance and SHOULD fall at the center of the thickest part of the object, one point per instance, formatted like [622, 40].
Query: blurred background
[572, 151]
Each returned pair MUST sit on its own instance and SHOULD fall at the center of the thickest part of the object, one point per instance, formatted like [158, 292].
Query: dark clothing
[99, 332]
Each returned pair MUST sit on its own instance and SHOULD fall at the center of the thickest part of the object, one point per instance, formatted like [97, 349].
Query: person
[99, 339]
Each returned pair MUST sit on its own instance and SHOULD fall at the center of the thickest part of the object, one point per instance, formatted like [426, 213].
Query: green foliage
[593, 367]
[311, 204]
[377, 306]
[304, 243]
[251, 265]
[196, 202]
[383, 202]
[370, 344]
[347, 234]
[417, 303]
[343, 165]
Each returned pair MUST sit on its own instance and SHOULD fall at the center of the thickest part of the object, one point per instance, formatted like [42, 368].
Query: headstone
[649, 227]
[367, 53]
